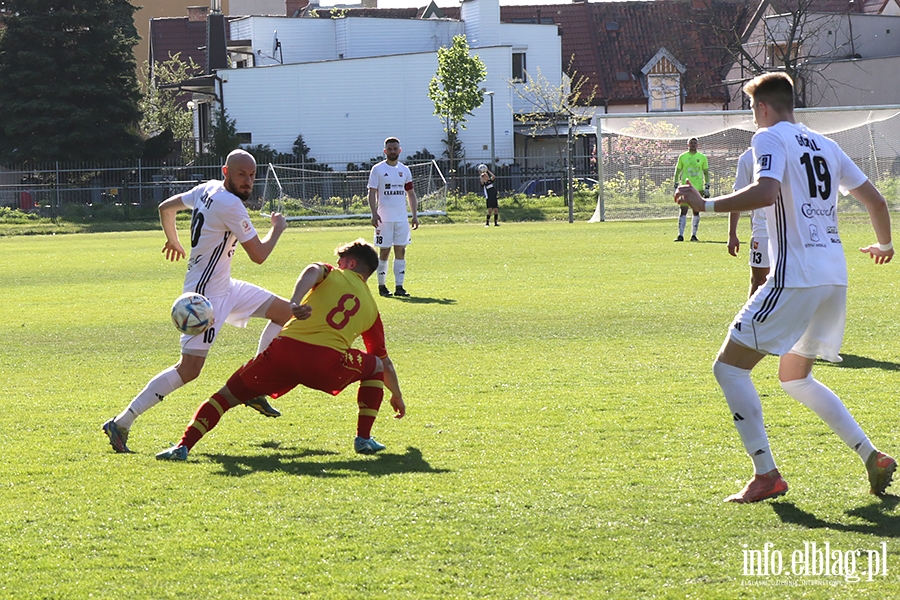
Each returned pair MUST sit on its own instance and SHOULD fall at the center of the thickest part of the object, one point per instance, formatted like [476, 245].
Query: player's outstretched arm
[167, 211]
[392, 383]
[260, 249]
[308, 279]
[880, 216]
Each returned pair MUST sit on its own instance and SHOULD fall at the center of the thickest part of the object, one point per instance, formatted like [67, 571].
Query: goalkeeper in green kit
[692, 166]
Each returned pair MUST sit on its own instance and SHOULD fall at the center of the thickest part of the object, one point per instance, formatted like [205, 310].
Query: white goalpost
[638, 152]
[308, 193]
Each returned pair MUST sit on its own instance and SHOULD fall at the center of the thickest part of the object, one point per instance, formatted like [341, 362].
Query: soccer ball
[482, 168]
[192, 313]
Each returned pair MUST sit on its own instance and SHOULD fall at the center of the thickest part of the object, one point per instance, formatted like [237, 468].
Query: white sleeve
[851, 175]
[189, 198]
[744, 175]
[237, 220]
[373, 179]
[769, 158]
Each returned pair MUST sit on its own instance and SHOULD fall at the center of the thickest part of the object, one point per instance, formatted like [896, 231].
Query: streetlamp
[493, 156]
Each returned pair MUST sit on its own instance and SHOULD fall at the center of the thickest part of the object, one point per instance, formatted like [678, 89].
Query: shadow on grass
[852, 361]
[879, 523]
[296, 462]
[416, 300]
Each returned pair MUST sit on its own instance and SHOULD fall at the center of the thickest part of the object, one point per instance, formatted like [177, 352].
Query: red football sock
[206, 417]
[369, 397]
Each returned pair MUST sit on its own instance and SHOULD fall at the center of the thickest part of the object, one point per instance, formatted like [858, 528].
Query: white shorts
[393, 233]
[759, 252]
[805, 321]
[243, 301]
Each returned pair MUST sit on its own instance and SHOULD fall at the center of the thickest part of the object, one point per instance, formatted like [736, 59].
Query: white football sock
[695, 225]
[156, 390]
[825, 403]
[746, 410]
[682, 221]
[382, 272]
[399, 271]
[269, 333]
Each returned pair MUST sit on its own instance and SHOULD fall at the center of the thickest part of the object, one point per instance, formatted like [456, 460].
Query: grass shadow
[295, 462]
[879, 523]
[419, 300]
[852, 361]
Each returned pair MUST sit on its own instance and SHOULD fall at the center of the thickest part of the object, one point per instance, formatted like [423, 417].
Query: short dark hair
[364, 253]
[391, 140]
[693, 140]
[775, 89]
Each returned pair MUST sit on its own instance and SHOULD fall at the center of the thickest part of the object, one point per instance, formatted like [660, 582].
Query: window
[518, 67]
[778, 54]
[665, 92]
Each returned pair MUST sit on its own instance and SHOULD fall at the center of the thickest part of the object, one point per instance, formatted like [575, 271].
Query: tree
[69, 89]
[162, 108]
[793, 36]
[300, 149]
[223, 135]
[456, 91]
[553, 108]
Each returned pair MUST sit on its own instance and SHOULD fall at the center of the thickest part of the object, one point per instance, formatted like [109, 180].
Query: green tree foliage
[223, 136]
[164, 109]
[69, 90]
[456, 90]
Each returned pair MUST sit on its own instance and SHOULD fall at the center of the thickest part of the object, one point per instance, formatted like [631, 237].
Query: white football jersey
[391, 185]
[742, 179]
[218, 222]
[805, 246]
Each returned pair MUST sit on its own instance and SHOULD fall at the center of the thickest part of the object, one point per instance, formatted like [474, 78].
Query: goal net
[636, 165]
[307, 194]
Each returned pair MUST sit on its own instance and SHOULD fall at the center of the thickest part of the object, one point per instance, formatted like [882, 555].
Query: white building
[345, 84]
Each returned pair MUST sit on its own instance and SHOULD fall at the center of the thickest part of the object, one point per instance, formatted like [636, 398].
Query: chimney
[197, 13]
[370, 3]
[216, 43]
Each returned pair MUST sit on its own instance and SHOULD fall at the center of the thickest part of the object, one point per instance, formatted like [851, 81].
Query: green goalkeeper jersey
[692, 167]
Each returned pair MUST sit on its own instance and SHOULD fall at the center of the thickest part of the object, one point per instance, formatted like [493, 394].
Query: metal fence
[128, 190]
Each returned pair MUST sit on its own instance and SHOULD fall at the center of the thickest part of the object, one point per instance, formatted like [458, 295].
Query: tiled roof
[606, 42]
[610, 42]
[830, 6]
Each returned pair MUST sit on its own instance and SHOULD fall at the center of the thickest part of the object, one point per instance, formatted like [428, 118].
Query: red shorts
[287, 363]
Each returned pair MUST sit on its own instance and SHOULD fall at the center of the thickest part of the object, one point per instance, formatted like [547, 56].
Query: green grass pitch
[565, 437]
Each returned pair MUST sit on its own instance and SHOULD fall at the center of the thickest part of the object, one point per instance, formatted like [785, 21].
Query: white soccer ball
[192, 313]
[482, 168]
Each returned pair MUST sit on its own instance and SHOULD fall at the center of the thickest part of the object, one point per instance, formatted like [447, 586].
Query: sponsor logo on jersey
[809, 211]
[246, 227]
[813, 233]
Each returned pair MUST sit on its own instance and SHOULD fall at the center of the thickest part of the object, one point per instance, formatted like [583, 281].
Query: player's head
[359, 256]
[692, 144]
[771, 97]
[240, 172]
[392, 149]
